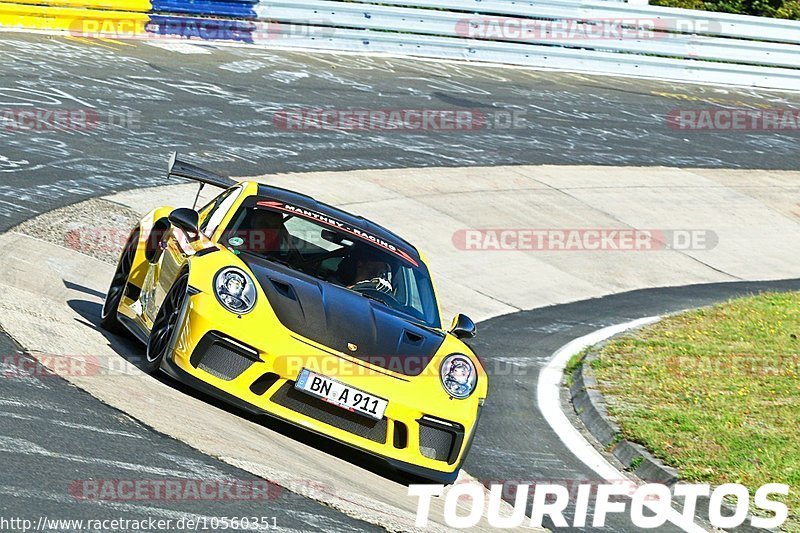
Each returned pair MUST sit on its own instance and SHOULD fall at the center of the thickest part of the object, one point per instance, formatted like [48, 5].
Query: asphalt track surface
[55, 440]
[218, 108]
[218, 105]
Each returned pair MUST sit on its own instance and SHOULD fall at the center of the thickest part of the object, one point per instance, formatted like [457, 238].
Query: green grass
[574, 362]
[784, 9]
[715, 392]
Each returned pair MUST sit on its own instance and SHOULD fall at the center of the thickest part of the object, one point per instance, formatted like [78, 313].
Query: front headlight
[459, 375]
[235, 290]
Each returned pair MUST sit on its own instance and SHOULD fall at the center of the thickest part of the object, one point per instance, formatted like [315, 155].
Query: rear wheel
[165, 324]
[108, 316]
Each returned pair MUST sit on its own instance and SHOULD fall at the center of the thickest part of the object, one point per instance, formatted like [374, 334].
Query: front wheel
[165, 324]
[108, 316]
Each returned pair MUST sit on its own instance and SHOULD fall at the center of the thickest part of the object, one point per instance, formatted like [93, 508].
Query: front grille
[400, 435]
[439, 439]
[220, 358]
[435, 443]
[291, 398]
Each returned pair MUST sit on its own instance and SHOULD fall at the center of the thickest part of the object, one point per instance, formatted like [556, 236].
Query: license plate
[340, 395]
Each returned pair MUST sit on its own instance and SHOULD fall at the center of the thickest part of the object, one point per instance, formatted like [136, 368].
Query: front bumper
[224, 356]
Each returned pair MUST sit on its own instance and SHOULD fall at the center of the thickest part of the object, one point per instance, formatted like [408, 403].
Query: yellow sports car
[283, 305]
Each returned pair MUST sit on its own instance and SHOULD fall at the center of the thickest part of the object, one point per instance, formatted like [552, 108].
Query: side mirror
[463, 327]
[186, 220]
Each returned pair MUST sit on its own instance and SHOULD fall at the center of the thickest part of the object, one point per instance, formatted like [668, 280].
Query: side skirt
[135, 329]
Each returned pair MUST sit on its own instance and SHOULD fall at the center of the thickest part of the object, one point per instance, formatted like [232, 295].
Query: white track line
[549, 399]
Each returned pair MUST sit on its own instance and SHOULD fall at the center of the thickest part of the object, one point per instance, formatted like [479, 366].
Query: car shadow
[89, 312]
[84, 289]
[133, 351]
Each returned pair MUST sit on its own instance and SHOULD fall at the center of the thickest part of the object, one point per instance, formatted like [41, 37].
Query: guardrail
[129, 17]
[442, 23]
[594, 36]
[707, 23]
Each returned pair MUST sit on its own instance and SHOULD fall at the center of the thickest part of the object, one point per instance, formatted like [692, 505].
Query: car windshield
[333, 254]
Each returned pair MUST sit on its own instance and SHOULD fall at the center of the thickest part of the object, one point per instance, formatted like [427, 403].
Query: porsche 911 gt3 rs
[280, 304]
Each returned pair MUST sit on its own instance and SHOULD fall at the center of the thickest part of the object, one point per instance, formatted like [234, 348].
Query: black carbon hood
[339, 318]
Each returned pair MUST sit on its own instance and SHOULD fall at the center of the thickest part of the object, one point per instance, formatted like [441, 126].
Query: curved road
[217, 105]
[513, 446]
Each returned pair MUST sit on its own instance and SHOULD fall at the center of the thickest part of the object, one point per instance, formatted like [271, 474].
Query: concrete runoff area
[751, 213]
[745, 221]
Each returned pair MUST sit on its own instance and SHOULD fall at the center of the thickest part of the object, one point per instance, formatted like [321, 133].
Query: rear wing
[182, 169]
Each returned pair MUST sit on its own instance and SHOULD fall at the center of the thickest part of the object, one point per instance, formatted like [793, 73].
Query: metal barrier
[239, 9]
[131, 19]
[595, 36]
[702, 22]
[651, 41]
[202, 28]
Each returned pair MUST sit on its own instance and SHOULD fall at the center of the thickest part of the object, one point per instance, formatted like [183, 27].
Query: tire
[165, 324]
[108, 316]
